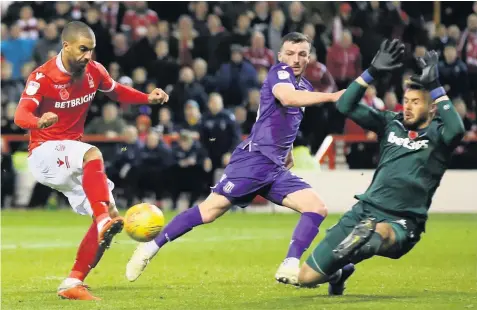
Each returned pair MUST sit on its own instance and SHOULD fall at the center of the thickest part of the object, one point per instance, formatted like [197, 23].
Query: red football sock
[87, 256]
[95, 186]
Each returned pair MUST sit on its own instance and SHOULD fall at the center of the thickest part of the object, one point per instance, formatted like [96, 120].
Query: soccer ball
[143, 222]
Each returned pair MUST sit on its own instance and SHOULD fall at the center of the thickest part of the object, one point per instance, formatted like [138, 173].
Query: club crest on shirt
[32, 88]
[90, 81]
[64, 95]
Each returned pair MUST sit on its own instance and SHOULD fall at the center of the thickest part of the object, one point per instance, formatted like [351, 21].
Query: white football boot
[140, 258]
[288, 271]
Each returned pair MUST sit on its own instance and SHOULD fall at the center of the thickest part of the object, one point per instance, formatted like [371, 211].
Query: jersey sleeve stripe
[109, 90]
[283, 84]
[33, 99]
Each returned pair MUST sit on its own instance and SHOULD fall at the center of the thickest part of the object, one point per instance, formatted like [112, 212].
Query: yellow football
[143, 222]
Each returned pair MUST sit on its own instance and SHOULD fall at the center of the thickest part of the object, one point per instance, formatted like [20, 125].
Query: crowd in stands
[212, 58]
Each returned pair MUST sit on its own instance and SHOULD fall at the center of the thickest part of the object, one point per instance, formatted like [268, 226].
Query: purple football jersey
[276, 126]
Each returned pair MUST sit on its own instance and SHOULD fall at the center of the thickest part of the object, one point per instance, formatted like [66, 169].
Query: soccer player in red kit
[53, 107]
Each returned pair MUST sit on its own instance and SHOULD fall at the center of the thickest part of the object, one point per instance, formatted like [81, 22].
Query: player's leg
[95, 186]
[292, 192]
[206, 212]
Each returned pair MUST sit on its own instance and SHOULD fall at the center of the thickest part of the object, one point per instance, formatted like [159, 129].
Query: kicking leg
[213, 207]
[95, 186]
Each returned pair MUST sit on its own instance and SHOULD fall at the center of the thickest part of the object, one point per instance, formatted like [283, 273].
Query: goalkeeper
[415, 148]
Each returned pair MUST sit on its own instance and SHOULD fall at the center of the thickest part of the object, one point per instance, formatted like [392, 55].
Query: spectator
[8, 177]
[201, 8]
[186, 36]
[235, 78]
[342, 22]
[166, 126]
[140, 79]
[143, 51]
[296, 17]
[441, 39]
[165, 34]
[454, 33]
[193, 119]
[114, 71]
[50, 41]
[28, 24]
[371, 99]
[261, 76]
[411, 63]
[143, 124]
[123, 169]
[453, 73]
[343, 60]
[8, 125]
[110, 124]
[27, 69]
[240, 114]
[253, 104]
[316, 42]
[275, 31]
[219, 134]
[464, 154]
[188, 173]
[164, 68]
[120, 49]
[154, 167]
[111, 13]
[391, 103]
[104, 47]
[186, 88]
[11, 89]
[261, 18]
[214, 47]
[468, 48]
[258, 55]
[63, 14]
[241, 33]
[137, 19]
[17, 51]
[319, 76]
[208, 82]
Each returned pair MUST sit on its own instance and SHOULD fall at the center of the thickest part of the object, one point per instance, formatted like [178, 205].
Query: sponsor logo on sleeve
[283, 75]
[32, 88]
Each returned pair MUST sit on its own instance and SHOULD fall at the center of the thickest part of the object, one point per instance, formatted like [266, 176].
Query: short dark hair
[75, 29]
[295, 37]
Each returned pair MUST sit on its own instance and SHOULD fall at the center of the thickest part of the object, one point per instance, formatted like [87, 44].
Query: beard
[416, 124]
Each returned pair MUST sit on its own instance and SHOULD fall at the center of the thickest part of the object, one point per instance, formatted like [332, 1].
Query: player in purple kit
[260, 165]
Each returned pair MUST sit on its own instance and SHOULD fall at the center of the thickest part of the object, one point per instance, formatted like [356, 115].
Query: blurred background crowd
[212, 58]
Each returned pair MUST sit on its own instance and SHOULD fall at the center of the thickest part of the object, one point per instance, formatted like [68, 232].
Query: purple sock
[305, 231]
[179, 225]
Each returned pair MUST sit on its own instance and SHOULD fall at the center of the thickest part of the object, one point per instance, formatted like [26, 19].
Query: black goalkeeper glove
[429, 77]
[387, 59]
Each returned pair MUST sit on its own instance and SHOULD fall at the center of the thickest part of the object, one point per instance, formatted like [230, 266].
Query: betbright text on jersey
[52, 88]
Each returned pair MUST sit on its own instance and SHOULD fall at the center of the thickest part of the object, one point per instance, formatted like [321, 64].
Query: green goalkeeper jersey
[411, 164]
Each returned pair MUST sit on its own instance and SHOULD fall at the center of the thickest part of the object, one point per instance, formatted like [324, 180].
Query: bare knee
[308, 277]
[306, 201]
[213, 207]
[92, 154]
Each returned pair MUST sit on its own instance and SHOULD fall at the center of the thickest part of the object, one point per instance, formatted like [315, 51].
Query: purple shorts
[250, 173]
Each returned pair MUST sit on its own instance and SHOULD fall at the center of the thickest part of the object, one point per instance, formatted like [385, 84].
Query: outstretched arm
[387, 59]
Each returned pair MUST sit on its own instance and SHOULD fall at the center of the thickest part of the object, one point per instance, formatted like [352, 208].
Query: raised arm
[452, 130]
[387, 59]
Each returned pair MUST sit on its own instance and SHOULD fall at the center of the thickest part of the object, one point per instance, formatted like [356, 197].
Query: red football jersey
[52, 88]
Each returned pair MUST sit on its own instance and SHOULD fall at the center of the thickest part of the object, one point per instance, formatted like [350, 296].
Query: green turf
[230, 264]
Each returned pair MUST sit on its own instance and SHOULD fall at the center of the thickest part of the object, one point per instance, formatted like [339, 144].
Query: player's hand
[429, 77]
[388, 58]
[337, 95]
[226, 159]
[158, 96]
[47, 119]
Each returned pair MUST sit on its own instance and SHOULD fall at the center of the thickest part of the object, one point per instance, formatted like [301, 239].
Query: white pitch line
[52, 245]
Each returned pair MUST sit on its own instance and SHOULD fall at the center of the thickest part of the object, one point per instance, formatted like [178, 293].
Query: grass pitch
[230, 264]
